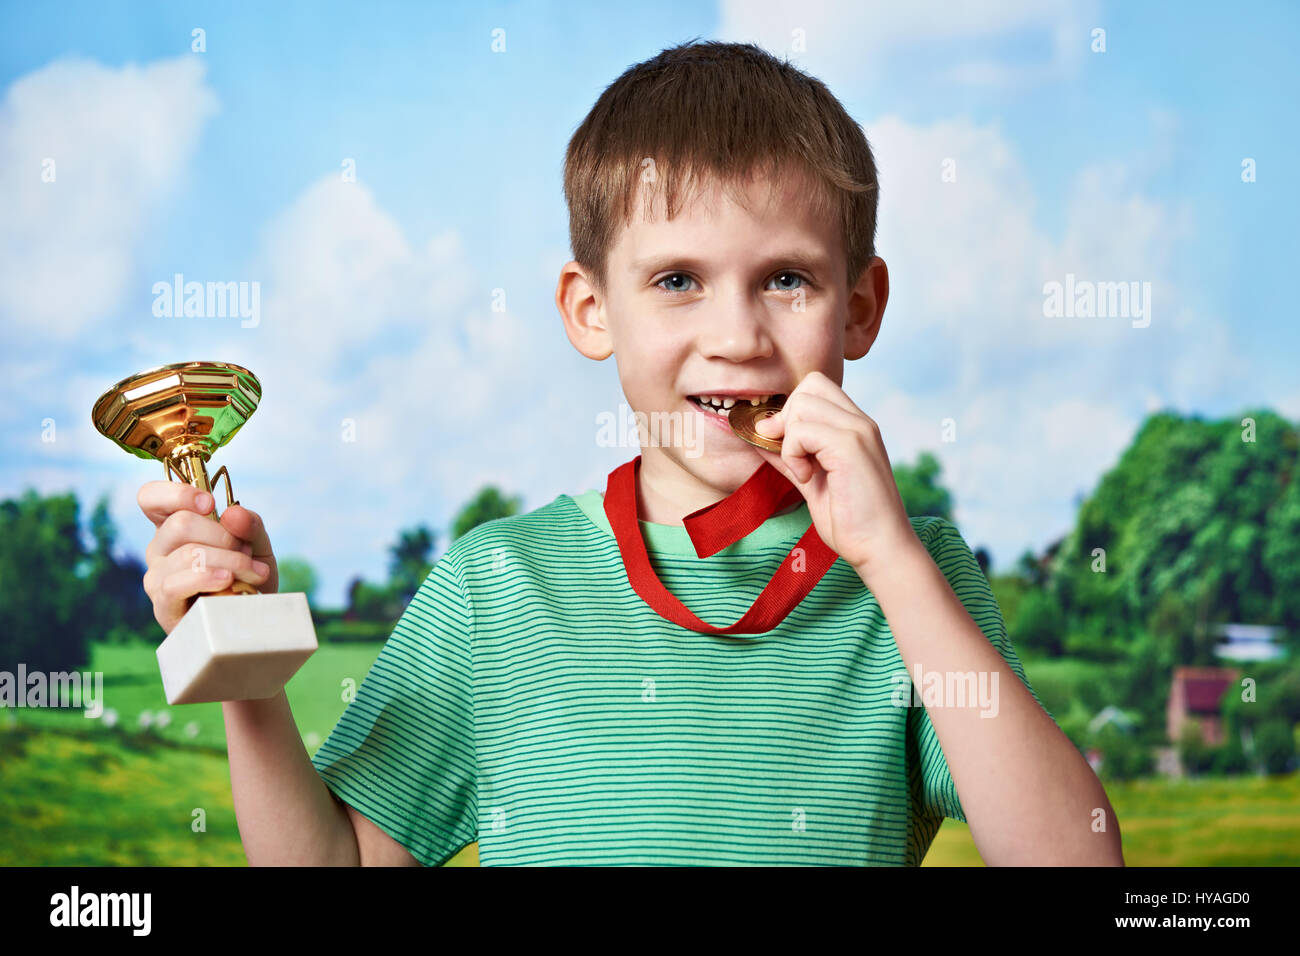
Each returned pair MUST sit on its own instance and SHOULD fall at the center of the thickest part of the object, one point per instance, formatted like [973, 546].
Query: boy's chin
[717, 466]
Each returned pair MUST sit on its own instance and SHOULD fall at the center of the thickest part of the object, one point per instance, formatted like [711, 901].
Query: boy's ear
[583, 313]
[866, 309]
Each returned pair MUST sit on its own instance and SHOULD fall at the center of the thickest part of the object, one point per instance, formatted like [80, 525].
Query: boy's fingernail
[203, 502]
[261, 568]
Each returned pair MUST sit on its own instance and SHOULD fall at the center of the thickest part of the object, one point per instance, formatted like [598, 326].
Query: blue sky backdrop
[376, 295]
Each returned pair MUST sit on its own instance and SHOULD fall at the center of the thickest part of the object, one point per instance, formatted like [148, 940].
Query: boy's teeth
[725, 403]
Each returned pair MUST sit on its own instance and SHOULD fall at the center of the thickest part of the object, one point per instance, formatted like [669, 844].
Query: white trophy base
[236, 647]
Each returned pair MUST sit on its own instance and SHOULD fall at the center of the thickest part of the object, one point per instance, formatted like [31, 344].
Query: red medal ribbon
[711, 529]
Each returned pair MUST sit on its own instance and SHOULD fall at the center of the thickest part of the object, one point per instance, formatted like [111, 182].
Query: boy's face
[718, 301]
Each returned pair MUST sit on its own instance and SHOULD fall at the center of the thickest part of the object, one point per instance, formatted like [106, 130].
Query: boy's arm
[1028, 794]
[376, 847]
[286, 814]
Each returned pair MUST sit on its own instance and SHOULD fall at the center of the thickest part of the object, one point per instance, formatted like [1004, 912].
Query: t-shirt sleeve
[403, 753]
[933, 791]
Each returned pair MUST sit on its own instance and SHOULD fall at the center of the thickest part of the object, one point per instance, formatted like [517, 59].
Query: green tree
[1039, 626]
[1280, 547]
[409, 562]
[1010, 590]
[102, 529]
[1196, 755]
[369, 602]
[918, 486]
[488, 505]
[1274, 746]
[296, 575]
[1124, 755]
[1228, 759]
[45, 584]
[117, 601]
[1265, 708]
[1196, 525]
[1143, 681]
[1031, 569]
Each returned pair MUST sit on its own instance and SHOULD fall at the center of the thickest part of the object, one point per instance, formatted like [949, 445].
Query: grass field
[76, 792]
[132, 687]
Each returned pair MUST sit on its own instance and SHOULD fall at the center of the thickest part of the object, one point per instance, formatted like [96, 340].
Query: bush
[1274, 746]
[1229, 759]
[1074, 725]
[1124, 755]
[1039, 624]
[296, 575]
[371, 602]
[1195, 754]
[341, 632]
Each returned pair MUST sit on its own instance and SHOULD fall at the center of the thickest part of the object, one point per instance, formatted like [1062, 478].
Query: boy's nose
[736, 332]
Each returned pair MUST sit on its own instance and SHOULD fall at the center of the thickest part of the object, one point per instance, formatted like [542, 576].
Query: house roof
[1204, 686]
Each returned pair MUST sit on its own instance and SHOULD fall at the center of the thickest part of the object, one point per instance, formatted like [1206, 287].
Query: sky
[389, 175]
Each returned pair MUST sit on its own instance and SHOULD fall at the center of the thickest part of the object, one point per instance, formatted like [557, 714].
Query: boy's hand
[834, 455]
[229, 549]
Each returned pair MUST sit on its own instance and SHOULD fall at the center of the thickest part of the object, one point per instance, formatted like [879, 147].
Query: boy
[712, 662]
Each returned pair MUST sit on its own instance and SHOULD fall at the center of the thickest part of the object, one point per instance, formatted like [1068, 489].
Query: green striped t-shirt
[529, 700]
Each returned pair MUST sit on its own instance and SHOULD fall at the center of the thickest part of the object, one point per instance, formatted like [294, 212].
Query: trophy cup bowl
[234, 644]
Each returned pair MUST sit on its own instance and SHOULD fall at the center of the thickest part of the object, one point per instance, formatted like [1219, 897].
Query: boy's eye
[789, 275]
[678, 277]
[675, 275]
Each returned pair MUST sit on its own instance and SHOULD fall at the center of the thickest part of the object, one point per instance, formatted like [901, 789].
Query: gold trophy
[235, 644]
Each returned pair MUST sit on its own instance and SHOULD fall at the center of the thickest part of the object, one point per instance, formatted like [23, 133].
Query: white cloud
[865, 41]
[400, 338]
[1043, 406]
[118, 139]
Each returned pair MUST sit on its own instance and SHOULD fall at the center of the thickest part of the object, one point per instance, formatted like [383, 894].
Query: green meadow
[1230, 821]
[74, 791]
[132, 687]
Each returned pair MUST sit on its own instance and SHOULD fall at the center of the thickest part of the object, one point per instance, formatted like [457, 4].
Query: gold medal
[743, 417]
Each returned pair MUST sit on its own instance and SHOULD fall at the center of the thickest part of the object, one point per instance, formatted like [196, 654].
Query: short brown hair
[717, 110]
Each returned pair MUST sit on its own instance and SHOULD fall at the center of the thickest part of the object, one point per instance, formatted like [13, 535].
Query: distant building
[1248, 642]
[1194, 695]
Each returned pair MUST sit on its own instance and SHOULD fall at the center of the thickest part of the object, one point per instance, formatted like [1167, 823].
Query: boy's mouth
[721, 405]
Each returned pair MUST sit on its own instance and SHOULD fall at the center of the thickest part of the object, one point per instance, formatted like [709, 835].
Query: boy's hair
[721, 111]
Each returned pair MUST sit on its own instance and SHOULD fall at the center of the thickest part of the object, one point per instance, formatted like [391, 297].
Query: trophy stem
[193, 468]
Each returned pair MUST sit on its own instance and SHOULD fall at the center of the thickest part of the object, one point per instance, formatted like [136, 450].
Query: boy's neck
[666, 493]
